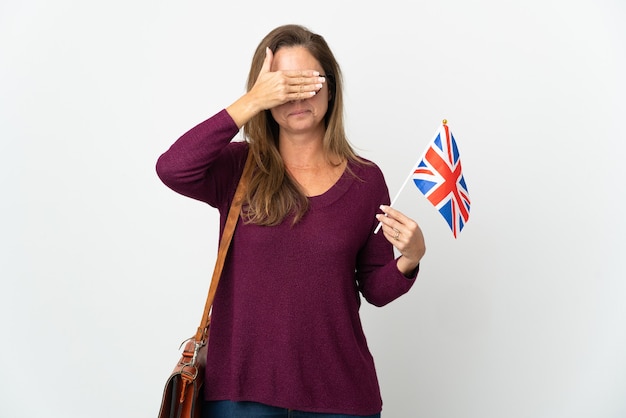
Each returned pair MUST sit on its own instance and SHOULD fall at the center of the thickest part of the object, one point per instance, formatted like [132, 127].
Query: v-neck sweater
[285, 325]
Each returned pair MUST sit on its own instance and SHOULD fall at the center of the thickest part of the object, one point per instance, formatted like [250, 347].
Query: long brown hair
[272, 194]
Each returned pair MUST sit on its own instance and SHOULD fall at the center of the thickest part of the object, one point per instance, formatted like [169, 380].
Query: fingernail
[316, 73]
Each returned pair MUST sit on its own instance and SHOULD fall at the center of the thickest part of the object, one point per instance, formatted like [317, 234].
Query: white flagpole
[380, 224]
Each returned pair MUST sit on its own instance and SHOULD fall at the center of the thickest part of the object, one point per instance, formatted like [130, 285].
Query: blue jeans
[229, 409]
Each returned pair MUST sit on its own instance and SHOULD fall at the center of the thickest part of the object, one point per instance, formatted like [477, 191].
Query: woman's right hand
[273, 88]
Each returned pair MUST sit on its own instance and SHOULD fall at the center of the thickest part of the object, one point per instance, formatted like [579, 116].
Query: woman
[286, 337]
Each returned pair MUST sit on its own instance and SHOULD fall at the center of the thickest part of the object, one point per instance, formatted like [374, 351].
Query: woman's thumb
[267, 62]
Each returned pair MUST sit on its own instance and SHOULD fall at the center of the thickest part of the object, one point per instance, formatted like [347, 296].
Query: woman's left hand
[405, 234]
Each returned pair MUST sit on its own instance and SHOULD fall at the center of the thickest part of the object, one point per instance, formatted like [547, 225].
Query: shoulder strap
[227, 235]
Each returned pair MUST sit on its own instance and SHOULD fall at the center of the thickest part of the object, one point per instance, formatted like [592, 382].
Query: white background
[104, 270]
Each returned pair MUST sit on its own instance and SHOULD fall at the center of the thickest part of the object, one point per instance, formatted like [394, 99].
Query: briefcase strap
[227, 235]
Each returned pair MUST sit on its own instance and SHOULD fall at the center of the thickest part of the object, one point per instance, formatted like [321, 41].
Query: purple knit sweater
[285, 328]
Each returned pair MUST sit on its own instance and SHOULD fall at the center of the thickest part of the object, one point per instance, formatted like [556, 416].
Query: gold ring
[397, 234]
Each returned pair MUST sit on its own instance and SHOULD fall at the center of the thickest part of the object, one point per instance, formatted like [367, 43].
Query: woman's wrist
[407, 267]
[242, 110]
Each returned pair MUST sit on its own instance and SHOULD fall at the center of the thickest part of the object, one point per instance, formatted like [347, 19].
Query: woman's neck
[303, 152]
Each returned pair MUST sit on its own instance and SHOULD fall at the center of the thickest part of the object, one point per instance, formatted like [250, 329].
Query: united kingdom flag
[439, 176]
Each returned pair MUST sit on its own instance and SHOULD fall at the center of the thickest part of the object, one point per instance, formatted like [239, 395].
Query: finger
[394, 236]
[390, 226]
[299, 76]
[303, 91]
[389, 221]
[306, 80]
[406, 225]
[267, 62]
[395, 219]
[305, 88]
[395, 214]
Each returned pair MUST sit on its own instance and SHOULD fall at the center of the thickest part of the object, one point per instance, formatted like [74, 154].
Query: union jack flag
[439, 177]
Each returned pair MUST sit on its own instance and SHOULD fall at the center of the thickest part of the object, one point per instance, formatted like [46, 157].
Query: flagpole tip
[445, 121]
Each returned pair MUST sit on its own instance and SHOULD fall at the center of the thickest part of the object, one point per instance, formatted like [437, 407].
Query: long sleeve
[377, 275]
[385, 284]
[201, 164]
